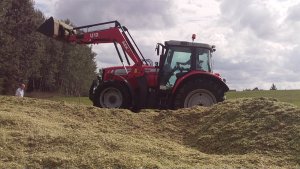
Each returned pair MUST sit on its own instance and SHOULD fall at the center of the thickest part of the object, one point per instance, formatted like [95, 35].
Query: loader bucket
[55, 29]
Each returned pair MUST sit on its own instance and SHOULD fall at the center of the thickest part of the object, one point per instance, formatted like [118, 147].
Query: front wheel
[199, 92]
[112, 96]
[92, 89]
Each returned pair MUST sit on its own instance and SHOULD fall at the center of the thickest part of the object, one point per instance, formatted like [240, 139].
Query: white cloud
[48, 7]
[257, 43]
[154, 14]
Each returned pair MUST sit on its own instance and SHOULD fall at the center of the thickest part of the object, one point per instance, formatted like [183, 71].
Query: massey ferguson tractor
[183, 78]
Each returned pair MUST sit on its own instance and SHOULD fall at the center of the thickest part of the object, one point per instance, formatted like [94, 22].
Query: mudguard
[203, 75]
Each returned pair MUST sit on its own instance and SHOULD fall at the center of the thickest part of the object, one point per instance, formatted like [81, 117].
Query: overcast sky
[257, 41]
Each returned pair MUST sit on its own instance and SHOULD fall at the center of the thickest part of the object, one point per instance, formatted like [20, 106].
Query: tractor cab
[178, 58]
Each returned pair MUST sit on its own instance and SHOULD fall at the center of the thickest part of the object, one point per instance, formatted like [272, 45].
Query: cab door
[177, 62]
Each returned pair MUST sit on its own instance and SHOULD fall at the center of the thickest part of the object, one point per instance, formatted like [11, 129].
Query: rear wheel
[198, 92]
[201, 97]
[112, 96]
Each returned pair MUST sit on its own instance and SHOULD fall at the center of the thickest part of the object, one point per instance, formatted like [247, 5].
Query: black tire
[91, 92]
[112, 95]
[198, 92]
[92, 88]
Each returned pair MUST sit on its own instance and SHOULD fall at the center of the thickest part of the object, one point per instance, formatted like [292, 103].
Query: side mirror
[157, 49]
[156, 64]
[213, 48]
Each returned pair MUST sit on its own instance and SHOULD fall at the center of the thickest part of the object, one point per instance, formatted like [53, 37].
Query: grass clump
[249, 126]
[250, 133]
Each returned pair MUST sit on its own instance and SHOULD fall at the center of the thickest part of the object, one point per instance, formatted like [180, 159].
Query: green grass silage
[247, 133]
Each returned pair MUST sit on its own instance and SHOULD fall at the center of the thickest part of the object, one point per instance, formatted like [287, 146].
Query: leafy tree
[19, 43]
[273, 87]
[77, 69]
[43, 63]
[9, 53]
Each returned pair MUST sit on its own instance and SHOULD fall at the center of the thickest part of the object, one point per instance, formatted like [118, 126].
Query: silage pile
[250, 133]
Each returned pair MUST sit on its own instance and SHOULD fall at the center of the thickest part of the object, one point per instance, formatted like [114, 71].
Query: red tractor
[183, 77]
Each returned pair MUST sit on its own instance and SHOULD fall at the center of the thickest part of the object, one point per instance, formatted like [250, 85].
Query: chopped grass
[73, 100]
[59, 97]
[242, 133]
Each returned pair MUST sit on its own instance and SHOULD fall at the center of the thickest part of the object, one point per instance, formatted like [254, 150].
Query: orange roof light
[193, 37]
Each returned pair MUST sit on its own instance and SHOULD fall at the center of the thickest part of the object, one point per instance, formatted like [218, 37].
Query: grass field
[289, 96]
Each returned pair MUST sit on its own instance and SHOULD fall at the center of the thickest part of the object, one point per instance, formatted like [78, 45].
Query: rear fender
[201, 75]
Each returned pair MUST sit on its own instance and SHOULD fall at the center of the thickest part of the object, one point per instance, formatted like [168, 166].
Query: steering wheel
[178, 67]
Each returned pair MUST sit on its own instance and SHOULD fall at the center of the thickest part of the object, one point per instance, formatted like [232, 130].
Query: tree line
[42, 63]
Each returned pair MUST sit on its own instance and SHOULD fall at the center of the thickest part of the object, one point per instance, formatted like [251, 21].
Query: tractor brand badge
[94, 35]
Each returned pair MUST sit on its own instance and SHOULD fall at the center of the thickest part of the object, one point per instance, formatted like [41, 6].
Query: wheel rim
[200, 97]
[111, 98]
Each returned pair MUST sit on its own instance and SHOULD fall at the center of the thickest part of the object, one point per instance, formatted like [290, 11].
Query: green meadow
[288, 96]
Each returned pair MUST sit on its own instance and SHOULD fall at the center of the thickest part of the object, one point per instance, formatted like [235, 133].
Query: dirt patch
[250, 133]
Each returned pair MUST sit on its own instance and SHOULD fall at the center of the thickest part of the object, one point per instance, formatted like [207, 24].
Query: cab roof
[188, 44]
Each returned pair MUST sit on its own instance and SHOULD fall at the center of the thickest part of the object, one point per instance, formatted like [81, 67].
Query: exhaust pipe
[56, 29]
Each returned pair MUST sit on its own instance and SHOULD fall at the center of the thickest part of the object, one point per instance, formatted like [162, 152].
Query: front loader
[183, 77]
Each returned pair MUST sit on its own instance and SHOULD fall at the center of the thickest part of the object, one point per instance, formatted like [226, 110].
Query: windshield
[180, 60]
[179, 55]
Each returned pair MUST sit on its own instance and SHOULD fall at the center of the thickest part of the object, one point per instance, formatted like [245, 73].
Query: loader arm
[117, 34]
[110, 35]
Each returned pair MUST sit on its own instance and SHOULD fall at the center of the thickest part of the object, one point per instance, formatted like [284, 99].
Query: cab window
[176, 56]
[203, 60]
